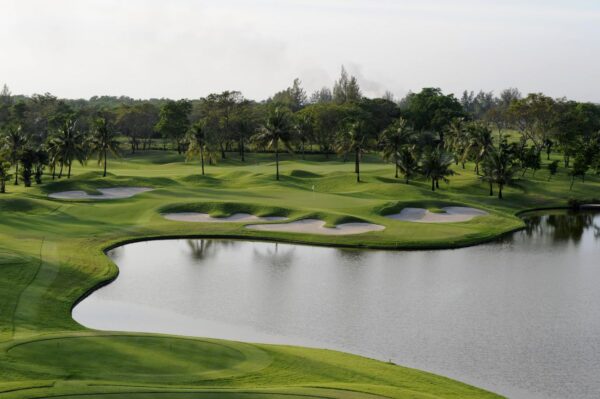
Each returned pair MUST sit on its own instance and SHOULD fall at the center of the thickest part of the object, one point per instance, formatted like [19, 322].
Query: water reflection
[202, 250]
[274, 255]
[563, 226]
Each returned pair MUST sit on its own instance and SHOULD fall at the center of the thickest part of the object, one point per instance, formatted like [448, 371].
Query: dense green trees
[419, 134]
[173, 122]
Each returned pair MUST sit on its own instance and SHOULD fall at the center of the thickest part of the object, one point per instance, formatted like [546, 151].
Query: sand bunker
[107, 193]
[206, 218]
[316, 226]
[451, 214]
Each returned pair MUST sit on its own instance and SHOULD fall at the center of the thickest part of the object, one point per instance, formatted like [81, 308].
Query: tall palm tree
[398, 134]
[197, 142]
[69, 145]
[408, 163]
[353, 139]
[436, 166]
[456, 140]
[14, 141]
[276, 130]
[480, 141]
[104, 141]
[501, 166]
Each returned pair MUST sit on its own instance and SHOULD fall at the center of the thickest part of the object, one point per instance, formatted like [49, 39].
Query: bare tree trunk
[277, 159]
[202, 158]
[17, 173]
[104, 163]
[243, 151]
[396, 158]
[357, 165]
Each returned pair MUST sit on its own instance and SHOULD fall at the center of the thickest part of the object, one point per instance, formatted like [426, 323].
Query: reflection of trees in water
[570, 226]
[274, 255]
[353, 255]
[116, 253]
[205, 249]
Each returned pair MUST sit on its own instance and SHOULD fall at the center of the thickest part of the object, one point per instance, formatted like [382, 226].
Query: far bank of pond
[519, 316]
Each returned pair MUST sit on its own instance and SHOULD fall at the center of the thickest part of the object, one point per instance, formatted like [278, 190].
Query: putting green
[147, 359]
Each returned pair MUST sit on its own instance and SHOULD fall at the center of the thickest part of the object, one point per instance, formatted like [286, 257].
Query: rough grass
[51, 254]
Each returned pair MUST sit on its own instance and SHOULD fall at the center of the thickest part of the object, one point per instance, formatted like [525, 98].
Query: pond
[519, 316]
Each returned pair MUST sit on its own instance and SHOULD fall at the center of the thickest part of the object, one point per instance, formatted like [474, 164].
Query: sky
[188, 49]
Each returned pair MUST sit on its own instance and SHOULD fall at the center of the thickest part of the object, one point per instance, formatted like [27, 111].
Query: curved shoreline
[121, 242]
[260, 238]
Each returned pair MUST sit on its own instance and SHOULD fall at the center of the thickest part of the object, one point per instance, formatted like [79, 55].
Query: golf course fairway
[52, 255]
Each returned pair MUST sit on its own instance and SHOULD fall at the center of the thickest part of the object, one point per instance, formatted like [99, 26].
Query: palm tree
[436, 165]
[407, 163]
[353, 140]
[276, 129]
[68, 145]
[14, 142]
[104, 141]
[457, 140]
[197, 142]
[479, 143]
[303, 129]
[488, 172]
[398, 134]
[501, 166]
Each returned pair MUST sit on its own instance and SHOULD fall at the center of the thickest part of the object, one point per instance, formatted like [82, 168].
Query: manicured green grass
[51, 254]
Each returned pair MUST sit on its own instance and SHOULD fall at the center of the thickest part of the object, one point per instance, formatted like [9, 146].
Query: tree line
[422, 134]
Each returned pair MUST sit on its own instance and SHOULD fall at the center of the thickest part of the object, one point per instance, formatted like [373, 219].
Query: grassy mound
[223, 209]
[304, 174]
[25, 205]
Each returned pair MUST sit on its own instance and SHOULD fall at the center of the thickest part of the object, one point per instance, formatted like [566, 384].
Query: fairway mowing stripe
[220, 391]
[18, 301]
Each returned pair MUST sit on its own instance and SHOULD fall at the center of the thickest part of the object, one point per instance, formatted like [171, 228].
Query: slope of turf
[51, 254]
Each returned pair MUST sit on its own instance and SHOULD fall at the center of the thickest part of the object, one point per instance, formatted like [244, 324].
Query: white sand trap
[107, 193]
[206, 218]
[316, 226]
[451, 214]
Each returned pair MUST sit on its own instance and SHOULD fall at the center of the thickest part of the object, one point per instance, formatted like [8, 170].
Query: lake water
[520, 316]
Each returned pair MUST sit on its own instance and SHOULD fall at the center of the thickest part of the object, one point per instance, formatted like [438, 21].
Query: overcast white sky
[185, 48]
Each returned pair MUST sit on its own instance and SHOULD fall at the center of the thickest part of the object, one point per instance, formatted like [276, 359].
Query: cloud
[185, 48]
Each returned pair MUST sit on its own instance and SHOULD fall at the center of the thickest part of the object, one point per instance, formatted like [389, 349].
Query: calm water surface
[520, 316]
